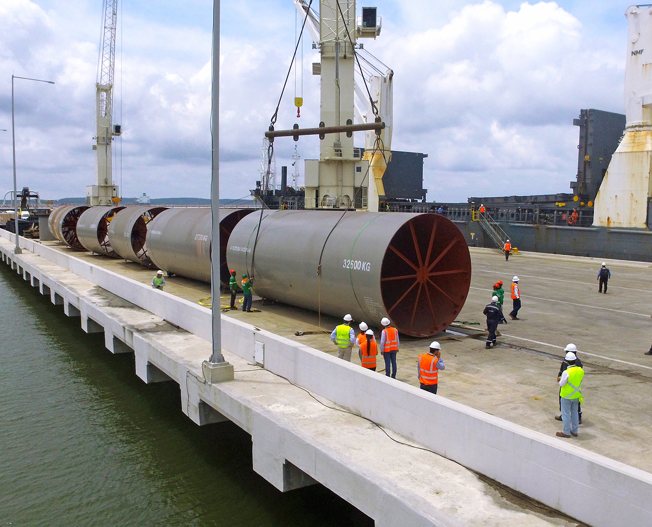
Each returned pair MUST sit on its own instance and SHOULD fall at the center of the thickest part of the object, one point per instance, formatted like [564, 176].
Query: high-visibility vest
[507, 247]
[428, 371]
[391, 340]
[571, 390]
[343, 336]
[515, 292]
[367, 353]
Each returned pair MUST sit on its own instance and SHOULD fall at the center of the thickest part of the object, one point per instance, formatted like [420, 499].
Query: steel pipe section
[93, 229]
[63, 224]
[128, 233]
[179, 241]
[413, 268]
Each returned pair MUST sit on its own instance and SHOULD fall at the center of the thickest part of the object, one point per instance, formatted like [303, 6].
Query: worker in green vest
[571, 394]
[344, 338]
[158, 282]
[233, 288]
[246, 285]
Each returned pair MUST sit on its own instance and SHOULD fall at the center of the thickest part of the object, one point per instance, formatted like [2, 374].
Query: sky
[487, 89]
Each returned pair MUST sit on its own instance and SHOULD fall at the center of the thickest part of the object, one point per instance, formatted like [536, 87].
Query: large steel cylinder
[63, 224]
[128, 232]
[179, 241]
[93, 229]
[413, 268]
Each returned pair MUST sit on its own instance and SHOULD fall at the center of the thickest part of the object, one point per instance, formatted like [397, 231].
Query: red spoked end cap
[425, 275]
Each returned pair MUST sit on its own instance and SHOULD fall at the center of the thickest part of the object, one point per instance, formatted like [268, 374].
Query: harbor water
[83, 441]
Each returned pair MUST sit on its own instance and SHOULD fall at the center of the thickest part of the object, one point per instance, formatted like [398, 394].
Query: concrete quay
[326, 435]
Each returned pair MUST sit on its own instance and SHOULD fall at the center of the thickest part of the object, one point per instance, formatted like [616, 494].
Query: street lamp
[13, 149]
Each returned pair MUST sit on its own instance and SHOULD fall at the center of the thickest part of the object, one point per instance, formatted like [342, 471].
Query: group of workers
[344, 337]
[494, 309]
[158, 282]
[246, 285]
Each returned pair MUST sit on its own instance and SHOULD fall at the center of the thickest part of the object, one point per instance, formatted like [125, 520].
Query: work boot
[558, 417]
[561, 434]
[487, 346]
[648, 352]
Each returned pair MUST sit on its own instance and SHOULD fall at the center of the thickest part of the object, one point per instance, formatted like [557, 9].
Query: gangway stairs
[491, 227]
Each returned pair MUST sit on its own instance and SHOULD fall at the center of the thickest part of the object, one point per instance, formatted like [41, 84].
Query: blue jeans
[570, 415]
[246, 303]
[390, 359]
[517, 305]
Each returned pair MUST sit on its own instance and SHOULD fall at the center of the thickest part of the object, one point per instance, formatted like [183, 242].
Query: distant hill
[163, 201]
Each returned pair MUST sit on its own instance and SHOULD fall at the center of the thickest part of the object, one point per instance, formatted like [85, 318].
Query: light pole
[13, 149]
[216, 369]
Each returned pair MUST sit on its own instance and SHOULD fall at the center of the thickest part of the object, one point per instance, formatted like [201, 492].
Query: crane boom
[105, 192]
[343, 93]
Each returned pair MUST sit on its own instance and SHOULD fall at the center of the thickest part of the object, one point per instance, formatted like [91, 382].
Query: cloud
[487, 89]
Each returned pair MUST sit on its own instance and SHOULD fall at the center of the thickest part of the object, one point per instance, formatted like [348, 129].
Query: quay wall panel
[587, 486]
[621, 244]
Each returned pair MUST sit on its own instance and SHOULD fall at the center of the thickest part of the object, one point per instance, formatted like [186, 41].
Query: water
[83, 441]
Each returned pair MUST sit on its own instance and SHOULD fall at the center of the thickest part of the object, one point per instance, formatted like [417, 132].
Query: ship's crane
[105, 192]
[335, 177]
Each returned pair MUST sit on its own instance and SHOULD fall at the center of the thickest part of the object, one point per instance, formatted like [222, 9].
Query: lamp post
[216, 369]
[13, 149]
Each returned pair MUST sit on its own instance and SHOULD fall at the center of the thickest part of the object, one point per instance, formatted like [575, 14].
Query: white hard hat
[515, 279]
[369, 332]
[570, 356]
[348, 318]
[385, 321]
[363, 326]
[604, 264]
[434, 345]
[159, 272]
[507, 239]
[494, 298]
[570, 347]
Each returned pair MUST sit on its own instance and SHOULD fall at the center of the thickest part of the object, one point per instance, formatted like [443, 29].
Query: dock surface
[515, 381]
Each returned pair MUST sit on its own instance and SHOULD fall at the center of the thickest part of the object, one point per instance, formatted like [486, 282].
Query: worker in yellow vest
[158, 282]
[571, 394]
[389, 346]
[428, 366]
[367, 348]
[343, 337]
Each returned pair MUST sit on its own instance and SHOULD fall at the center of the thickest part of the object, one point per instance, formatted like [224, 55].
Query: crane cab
[369, 24]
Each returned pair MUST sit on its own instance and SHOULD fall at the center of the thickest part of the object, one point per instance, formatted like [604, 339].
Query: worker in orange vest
[428, 366]
[367, 348]
[507, 248]
[482, 209]
[516, 299]
[389, 347]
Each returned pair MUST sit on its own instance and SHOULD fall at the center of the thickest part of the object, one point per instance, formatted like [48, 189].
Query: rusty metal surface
[179, 241]
[93, 229]
[128, 232]
[414, 268]
[63, 225]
